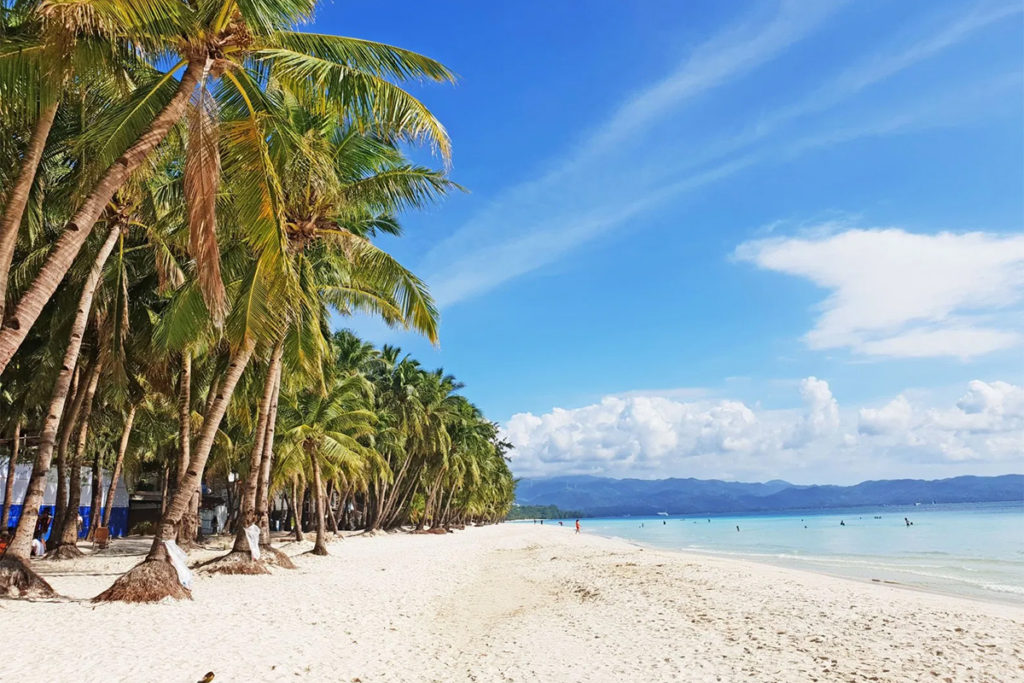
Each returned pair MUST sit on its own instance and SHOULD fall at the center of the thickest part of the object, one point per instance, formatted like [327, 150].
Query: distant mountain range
[599, 496]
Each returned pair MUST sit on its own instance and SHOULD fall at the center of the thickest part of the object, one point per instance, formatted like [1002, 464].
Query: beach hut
[22, 473]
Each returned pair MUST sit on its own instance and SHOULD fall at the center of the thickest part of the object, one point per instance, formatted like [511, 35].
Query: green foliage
[542, 512]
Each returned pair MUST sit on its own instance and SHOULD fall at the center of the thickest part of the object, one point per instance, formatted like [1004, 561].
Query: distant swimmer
[577, 526]
[663, 522]
[737, 527]
[842, 523]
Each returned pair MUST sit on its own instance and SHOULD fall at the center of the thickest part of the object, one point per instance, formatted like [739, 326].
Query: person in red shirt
[577, 526]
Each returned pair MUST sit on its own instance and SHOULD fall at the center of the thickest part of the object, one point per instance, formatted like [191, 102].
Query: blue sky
[740, 240]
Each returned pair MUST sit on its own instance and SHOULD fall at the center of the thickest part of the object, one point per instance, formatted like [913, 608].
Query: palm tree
[325, 431]
[243, 47]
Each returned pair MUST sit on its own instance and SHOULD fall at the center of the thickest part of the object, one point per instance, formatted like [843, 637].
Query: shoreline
[987, 597]
[514, 603]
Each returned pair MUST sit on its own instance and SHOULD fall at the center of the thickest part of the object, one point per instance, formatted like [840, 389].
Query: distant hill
[599, 496]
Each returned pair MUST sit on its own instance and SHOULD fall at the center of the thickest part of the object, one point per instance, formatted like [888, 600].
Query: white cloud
[987, 423]
[652, 437]
[895, 293]
[894, 417]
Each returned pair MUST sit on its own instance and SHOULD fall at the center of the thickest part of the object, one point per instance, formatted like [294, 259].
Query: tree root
[148, 581]
[65, 551]
[235, 562]
[18, 580]
[319, 549]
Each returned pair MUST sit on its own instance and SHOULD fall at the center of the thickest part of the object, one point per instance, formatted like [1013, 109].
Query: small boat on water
[663, 514]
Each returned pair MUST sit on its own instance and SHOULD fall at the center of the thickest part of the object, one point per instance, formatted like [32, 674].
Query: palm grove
[191, 190]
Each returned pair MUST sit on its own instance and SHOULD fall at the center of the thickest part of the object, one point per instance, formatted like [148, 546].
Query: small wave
[1004, 588]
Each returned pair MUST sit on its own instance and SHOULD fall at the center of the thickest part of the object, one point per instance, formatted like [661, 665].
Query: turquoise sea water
[976, 550]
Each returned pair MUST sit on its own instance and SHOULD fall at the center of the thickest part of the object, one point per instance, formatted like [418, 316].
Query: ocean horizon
[972, 550]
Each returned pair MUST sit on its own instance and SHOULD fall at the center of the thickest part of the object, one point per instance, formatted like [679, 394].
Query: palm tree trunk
[247, 502]
[122, 448]
[164, 486]
[96, 499]
[17, 198]
[263, 485]
[77, 230]
[211, 423]
[184, 414]
[12, 465]
[67, 428]
[21, 545]
[186, 530]
[320, 547]
[67, 542]
[297, 496]
[330, 513]
[154, 579]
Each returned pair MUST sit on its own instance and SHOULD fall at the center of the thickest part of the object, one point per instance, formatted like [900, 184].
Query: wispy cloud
[600, 186]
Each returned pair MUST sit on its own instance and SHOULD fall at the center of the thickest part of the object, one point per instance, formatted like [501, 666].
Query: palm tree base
[319, 549]
[17, 580]
[65, 551]
[236, 562]
[274, 557]
[148, 581]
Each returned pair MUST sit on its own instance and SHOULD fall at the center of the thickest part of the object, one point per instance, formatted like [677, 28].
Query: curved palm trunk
[14, 577]
[320, 546]
[17, 199]
[12, 464]
[247, 503]
[67, 538]
[115, 477]
[63, 253]
[154, 578]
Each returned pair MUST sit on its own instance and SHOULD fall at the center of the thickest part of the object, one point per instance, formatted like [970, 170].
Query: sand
[512, 602]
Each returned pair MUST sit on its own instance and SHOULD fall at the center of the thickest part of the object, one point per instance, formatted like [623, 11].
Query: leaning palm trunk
[9, 484]
[122, 448]
[239, 560]
[17, 199]
[320, 546]
[63, 253]
[155, 579]
[67, 536]
[16, 577]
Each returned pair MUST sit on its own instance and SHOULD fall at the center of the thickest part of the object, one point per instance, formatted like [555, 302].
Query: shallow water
[975, 549]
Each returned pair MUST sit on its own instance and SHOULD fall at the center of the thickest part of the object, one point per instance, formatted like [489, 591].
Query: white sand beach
[515, 602]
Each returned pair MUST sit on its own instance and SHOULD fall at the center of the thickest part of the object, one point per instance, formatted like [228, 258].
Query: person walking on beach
[577, 526]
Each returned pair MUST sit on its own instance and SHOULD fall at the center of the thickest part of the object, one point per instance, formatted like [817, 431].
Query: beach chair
[101, 539]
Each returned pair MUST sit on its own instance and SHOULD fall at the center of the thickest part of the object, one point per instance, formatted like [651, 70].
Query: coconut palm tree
[234, 50]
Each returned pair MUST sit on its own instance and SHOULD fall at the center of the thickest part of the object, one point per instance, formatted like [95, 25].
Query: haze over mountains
[600, 496]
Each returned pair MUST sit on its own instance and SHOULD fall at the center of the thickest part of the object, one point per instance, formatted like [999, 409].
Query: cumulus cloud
[900, 294]
[654, 436]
